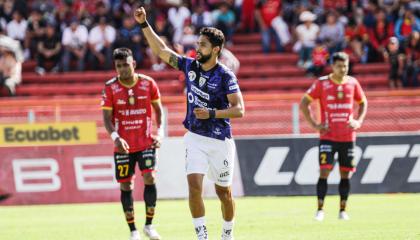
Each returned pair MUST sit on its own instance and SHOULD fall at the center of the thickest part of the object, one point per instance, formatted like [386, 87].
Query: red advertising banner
[60, 174]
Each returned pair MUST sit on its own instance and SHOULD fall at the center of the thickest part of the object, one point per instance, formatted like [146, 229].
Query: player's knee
[195, 190]
[149, 178]
[224, 193]
[324, 173]
[126, 186]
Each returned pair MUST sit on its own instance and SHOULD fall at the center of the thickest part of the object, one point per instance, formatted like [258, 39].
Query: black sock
[321, 189]
[127, 203]
[150, 202]
[344, 189]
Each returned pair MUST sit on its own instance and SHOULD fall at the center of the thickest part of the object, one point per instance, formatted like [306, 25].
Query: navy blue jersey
[207, 89]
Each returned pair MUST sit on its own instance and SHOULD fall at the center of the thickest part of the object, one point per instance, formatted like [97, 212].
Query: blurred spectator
[34, 32]
[412, 63]
[16, 28]
[49, 50]
[177, 16]
[357, 39]
[332, 34]
[406, 24]
[395, 57]
[266, 11]
[379, 35]
[100, 41]
[101, 11]
[335, 5]
[229, 60]
[47, 7]
[319, 59]
[165, 31]
[247, 16]
[7, 10]
[130, 36]
[307, 33]
[74, 43]
[225, 21]
[11, 59]
[188, 40]
[121, 8]
[201, 18]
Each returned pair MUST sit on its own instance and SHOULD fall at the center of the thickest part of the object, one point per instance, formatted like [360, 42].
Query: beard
[203, 58]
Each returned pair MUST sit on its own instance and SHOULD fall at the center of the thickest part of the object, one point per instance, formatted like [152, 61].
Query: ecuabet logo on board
[48, 134]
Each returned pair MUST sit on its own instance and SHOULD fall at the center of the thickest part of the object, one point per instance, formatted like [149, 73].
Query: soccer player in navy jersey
[127, 104]
[213, 97]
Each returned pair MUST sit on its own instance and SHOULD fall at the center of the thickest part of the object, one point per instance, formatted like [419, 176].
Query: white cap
[307, 16]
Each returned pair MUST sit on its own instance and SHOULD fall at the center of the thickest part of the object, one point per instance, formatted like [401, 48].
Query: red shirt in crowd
[320, 56]
[132, 110]
[336, 101]
[269, 10]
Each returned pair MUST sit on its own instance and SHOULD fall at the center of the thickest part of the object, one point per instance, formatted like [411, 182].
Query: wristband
[161, 132]
[212, 113]
[114, 135]
[145, 24]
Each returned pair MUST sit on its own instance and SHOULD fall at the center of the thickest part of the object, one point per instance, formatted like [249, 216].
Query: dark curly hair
[215, 36]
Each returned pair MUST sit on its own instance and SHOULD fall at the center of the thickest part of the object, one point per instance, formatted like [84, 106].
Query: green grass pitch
[389, 216]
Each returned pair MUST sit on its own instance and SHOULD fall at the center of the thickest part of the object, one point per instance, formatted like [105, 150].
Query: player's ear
[217, 50]
[134, 64]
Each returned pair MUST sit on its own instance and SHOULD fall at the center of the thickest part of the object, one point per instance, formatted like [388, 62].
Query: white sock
[201, 221]
[228, 227]
[199, 224]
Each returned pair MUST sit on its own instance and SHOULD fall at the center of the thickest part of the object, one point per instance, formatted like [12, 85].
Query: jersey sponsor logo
[133, 122]
[192, 76]
[142, 97]
[131, 112]
[233, 81]
[121, 102]
[330, 98]
[200, 103]
[200, 93]
[335, 106]
[217, 131]
[233, 87]
[224, 174]
[212, 85]
[115, 88]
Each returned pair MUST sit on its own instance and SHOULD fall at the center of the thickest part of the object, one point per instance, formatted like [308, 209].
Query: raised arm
[158, 47]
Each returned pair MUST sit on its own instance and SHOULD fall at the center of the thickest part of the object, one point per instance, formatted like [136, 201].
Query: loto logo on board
[289, 166]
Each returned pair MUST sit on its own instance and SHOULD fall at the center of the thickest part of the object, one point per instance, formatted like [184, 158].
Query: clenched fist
[140, 15]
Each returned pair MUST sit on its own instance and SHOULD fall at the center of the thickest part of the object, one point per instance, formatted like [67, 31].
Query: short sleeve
[154, 93]
[106, 102]
[182, 63]
[314, 92]
[359, 95]
[231, 82]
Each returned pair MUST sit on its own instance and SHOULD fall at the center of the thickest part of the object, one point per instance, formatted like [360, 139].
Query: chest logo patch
[192, 76]
[201, 81]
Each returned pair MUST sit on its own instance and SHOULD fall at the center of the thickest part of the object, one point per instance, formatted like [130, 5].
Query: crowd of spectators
[66, 35]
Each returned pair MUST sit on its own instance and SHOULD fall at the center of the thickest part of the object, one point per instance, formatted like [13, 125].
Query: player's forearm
[155, 43]
[362, 111]
[304, 108]
[237, 111]
[109, 126]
